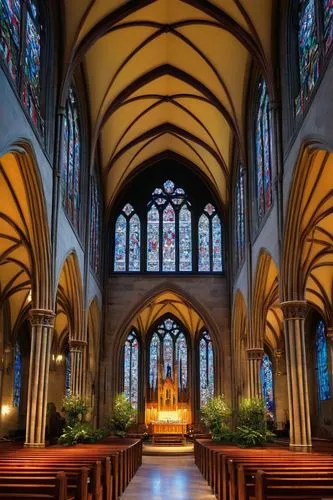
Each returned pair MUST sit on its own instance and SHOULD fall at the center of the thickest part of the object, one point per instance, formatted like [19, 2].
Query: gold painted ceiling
[167, 75]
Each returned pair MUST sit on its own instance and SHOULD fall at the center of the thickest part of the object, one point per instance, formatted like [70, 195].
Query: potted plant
[75, 409]
[216, 415]
[122, 416]
[252, 423]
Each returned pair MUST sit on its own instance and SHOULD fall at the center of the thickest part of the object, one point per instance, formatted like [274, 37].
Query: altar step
[168, 439]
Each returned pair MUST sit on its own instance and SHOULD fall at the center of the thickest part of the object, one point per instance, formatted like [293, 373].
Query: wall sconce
[5, 410]
[57, 358]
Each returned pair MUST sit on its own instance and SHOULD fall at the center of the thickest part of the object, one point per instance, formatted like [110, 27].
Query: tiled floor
[168, 478]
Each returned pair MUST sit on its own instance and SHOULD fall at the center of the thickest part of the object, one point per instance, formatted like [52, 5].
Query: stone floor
[168, 478]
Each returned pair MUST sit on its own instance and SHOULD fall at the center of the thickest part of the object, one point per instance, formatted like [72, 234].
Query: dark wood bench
[54, 487]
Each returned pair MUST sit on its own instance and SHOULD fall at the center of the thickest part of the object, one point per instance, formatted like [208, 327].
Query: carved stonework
[329, 333]
[42, 317]
[77, 345]
[294, 309]
[255, 353]
[280, 368]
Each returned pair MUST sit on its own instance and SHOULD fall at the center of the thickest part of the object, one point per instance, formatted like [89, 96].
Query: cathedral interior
[166, 210]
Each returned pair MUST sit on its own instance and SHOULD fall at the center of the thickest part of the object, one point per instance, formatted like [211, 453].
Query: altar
[168, 428]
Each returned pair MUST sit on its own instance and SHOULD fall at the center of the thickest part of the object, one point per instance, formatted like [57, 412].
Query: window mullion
[177, 246]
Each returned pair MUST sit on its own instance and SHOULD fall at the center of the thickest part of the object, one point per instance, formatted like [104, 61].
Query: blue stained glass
[185, 239]
[263, 150]
[217, 244]
[169, 239]
[266, 373]
[131, 369]
[134, 244]
[328, 23]
[168, 355]
[308, 51]
[71, 159]
[154, 355]
[31, 88]
[181, 356]
[17, 376]
[324, 391]
[10, 30]
[95, 227]
[153, 238]
[204, 243]
[206, 367]
[240, 218]
[68, 373]
[120, 244]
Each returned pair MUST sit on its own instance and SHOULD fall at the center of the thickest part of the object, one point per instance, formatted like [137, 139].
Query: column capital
[77, 344]
[329, 333]
[42, 317]
[255, 353]
[294, 309]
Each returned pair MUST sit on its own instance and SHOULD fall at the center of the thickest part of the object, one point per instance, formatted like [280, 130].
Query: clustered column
[41, 339]
[294, 313]
[77, 349]
[254, 356]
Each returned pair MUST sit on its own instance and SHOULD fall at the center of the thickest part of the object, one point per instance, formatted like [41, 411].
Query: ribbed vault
[167, 75]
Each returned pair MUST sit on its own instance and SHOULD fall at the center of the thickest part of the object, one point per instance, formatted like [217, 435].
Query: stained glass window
[206, 367]
[154, 356]
[20, 39]
[95, 226]
[169, 244]
[308, 51]
[185, 239]
[71, 160]
[17, 376]
[328, 23]
[240, 218]
[169, 239]
[127, 241]
[324, 391]
[263, 151]
[169, 342]
[131, 369]
[266, 373]
[68, 371]
[210, 241]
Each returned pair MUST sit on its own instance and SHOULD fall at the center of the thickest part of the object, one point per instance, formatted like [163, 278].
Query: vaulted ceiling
[167, 75]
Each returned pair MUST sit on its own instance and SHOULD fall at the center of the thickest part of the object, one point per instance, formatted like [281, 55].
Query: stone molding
[42, 317]
[77, 345]
[255, 353]
[329, 333]
[294, 309]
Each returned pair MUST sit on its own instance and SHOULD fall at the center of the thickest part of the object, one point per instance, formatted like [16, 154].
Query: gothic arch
[307, 269]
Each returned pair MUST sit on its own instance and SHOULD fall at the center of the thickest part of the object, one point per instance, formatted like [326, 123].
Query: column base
[300, 447]
[34, 445]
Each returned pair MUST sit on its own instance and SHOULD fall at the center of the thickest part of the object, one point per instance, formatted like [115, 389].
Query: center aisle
[168, 478]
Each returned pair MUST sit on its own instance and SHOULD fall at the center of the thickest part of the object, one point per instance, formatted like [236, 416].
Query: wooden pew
[292, 487]
[34, 487]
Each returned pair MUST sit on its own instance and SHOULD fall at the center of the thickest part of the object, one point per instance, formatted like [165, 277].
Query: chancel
[166, 249]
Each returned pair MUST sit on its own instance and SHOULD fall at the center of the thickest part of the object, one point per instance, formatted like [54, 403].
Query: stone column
[41, 339]
[254, 356]
[279, 388]
[294, 313]
[78, 370]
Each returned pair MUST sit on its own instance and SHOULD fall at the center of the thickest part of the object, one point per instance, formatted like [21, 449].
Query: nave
[166, 477]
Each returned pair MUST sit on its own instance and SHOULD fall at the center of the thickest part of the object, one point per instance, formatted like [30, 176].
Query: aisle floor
[168, 478]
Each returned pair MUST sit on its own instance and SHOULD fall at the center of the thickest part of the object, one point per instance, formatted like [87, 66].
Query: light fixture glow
[5, 410]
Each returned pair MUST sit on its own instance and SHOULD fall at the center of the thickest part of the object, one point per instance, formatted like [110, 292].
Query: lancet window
[68, 371]
[266, 373]
[95, 226]
[324, 390]
[20, 50]
[131, 369]
[17, 375]
[263, 153]
[127, 241]
[206, 365]
[240, 218]
[210, 241]
[71, 160]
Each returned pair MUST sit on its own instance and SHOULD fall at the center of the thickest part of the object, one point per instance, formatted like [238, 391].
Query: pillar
[279, 388]
[329, 339]
[254, 356]
[41, 339]
[294, 313]
[78, 369]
